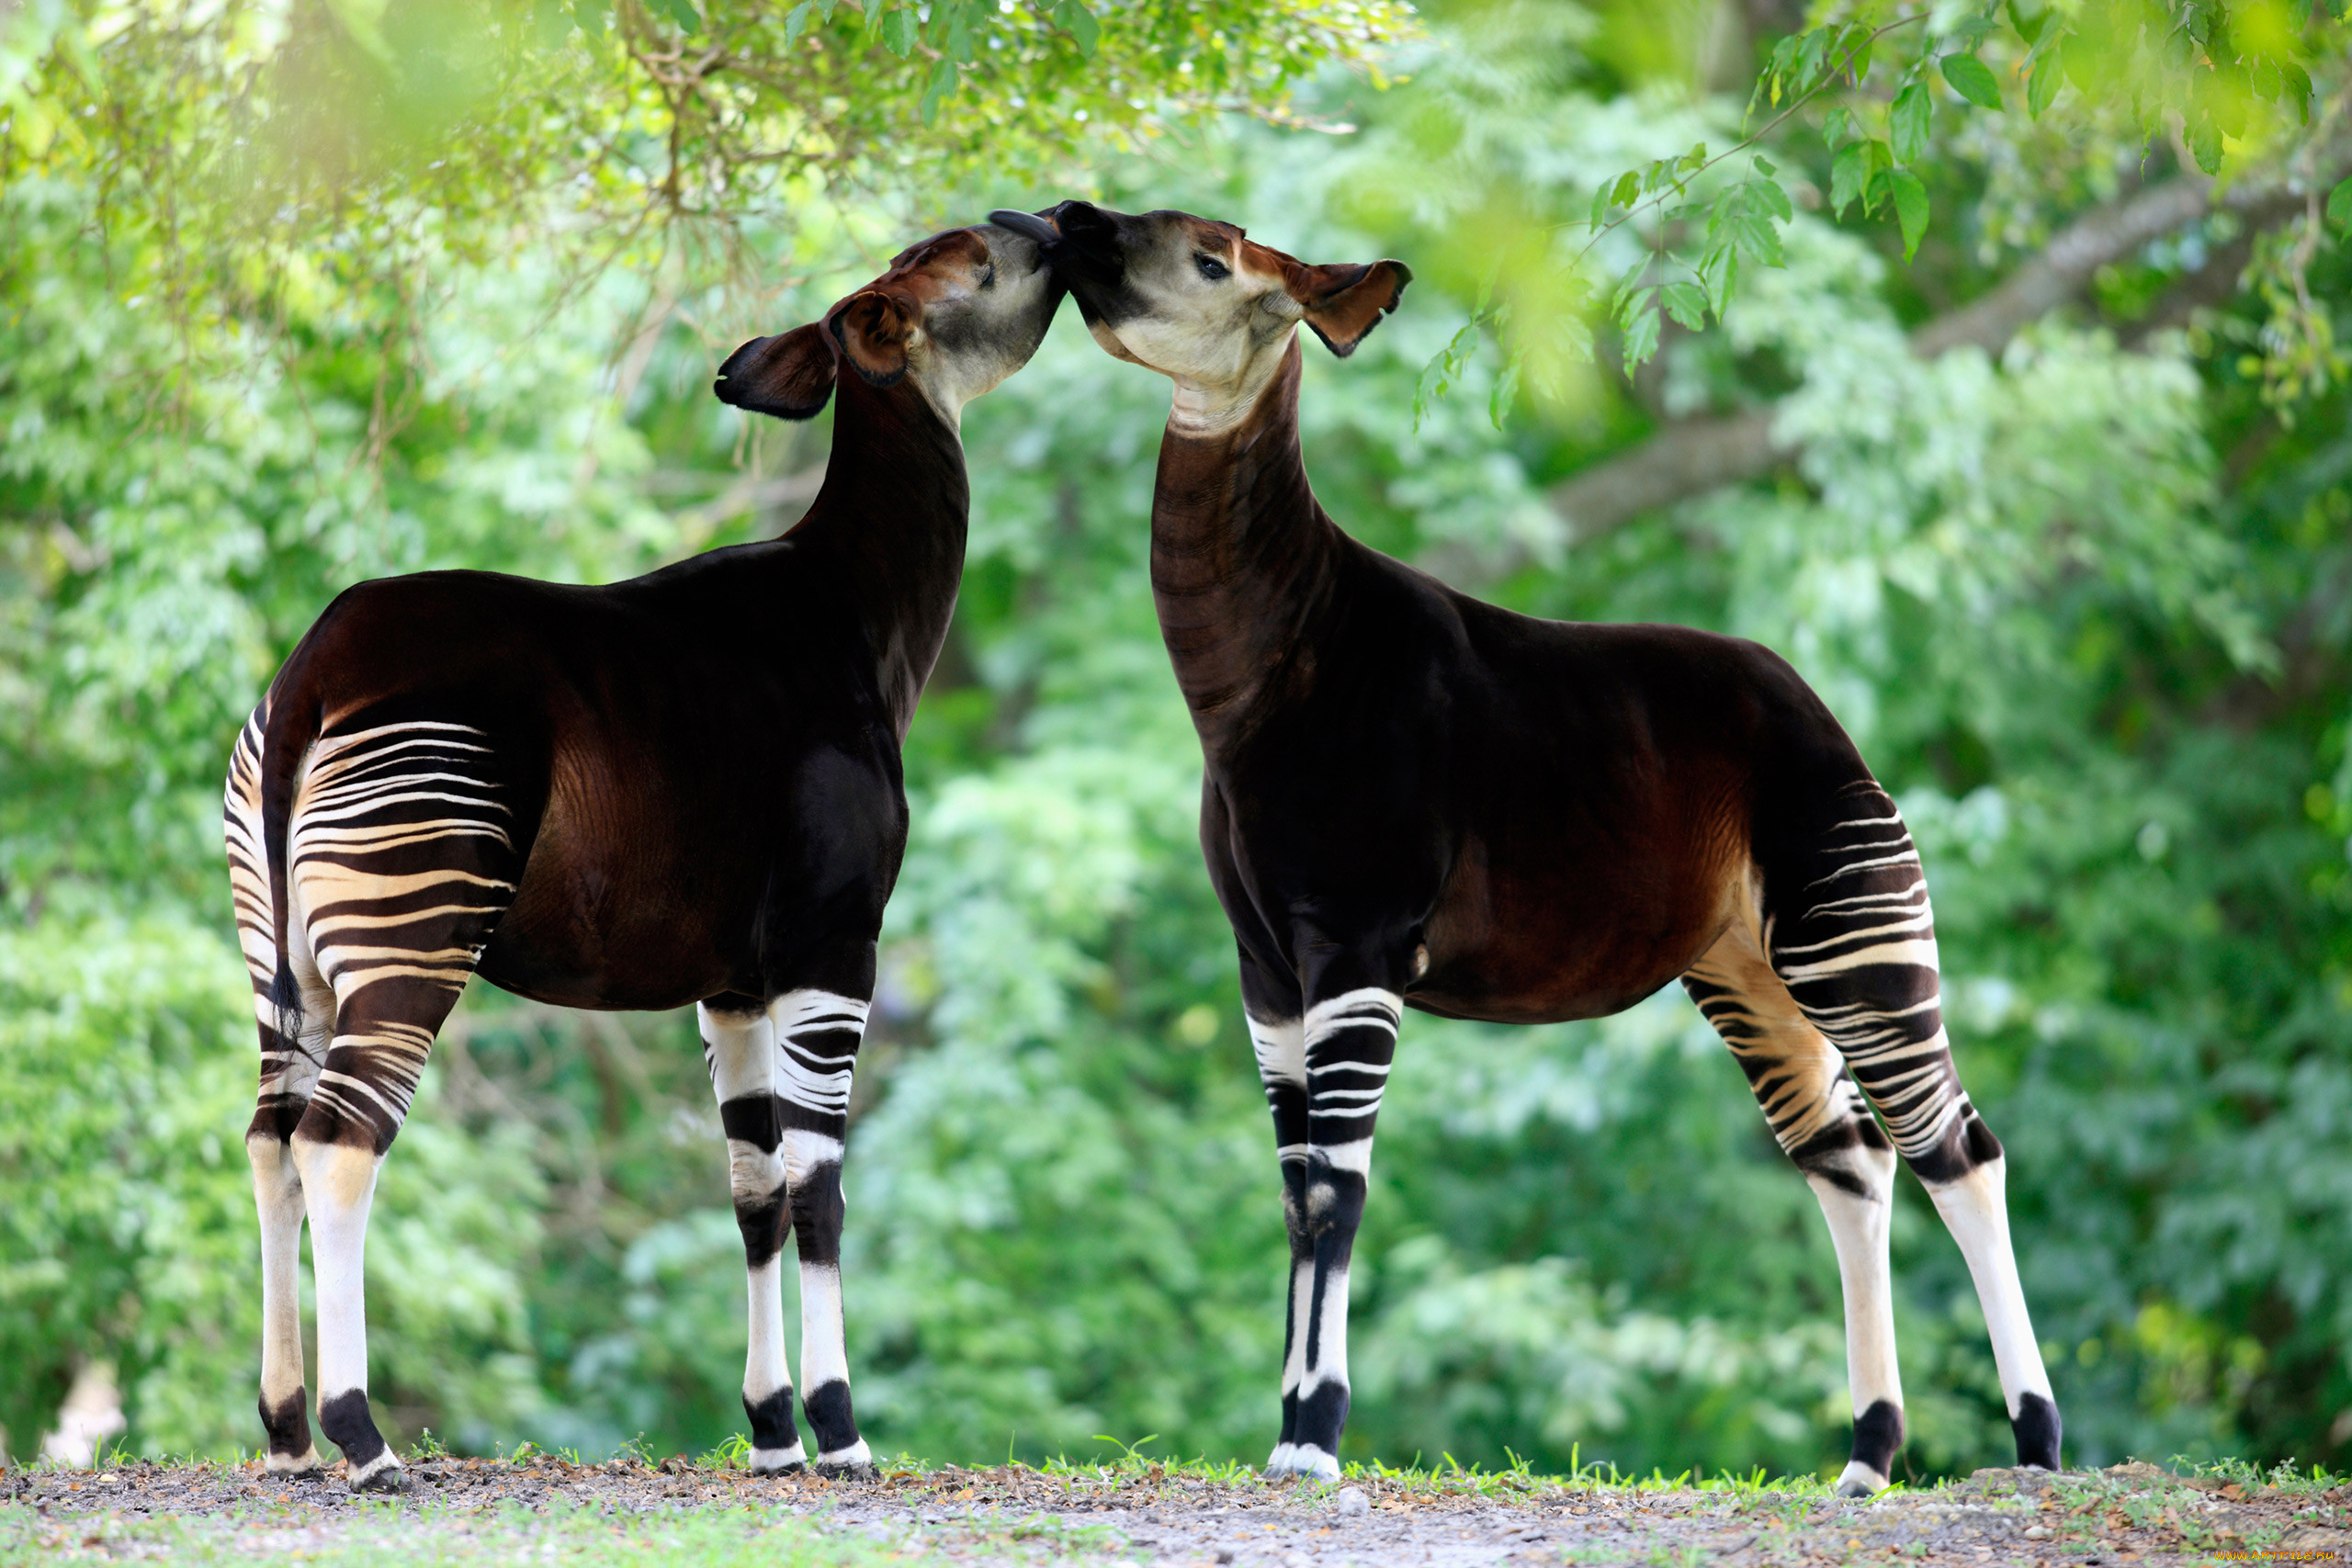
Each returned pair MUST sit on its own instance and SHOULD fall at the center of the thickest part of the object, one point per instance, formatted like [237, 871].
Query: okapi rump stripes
[685, 788]
[1415, 798]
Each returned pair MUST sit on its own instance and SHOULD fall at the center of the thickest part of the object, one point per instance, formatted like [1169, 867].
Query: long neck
[893, 512]
[1242, 559]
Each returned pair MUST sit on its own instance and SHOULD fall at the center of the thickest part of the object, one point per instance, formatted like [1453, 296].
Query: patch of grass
[1449, 1479]
[391, 1535]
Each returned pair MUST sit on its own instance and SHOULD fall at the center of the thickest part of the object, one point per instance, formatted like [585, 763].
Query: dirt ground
[1148, 1514]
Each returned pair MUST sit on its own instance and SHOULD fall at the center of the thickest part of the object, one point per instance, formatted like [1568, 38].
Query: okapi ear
[874, 330]
[790, 375]
[1344, 303]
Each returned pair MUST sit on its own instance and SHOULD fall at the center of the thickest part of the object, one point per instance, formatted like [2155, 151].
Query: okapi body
[682, 788]
[1414, 798]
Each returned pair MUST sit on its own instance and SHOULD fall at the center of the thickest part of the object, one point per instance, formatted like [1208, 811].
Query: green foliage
[2229, 73]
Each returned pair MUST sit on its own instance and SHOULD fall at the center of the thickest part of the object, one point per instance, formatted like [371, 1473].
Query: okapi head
[1200, 301]
[954, 315]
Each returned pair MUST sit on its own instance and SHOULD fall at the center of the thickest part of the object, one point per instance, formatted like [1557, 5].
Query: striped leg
[401, 861]
[739, 1045]
[817, 1036]
[1819, 1118]
[291, 1052]
[1278, 1036]
[1850, 931]
[1281, 1047]
[1342, 1049]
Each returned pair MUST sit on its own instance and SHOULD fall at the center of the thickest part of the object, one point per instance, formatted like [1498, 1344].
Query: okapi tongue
[1027, 224]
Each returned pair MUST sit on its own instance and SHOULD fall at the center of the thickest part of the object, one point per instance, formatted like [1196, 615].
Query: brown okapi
[682, 788]
[1414, 797]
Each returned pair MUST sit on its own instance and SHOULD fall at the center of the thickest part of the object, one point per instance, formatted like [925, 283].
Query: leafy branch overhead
[2227, 84]
[248, 142]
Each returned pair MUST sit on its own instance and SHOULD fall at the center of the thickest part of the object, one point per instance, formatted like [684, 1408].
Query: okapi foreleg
[1347, 1041]
[816, 1034]
[1281, 1047]
[1851, 933]
[739, 1045]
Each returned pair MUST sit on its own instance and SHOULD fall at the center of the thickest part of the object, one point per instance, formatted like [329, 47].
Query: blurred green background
[2082, 592]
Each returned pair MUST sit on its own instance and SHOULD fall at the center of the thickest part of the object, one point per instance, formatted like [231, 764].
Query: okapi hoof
[385, 1475]
[861, 1471]
[1864, 1486]
[1302, 1462]
[2038, 1432]
[288, 1421]
[370, 1464]
[779, 1462]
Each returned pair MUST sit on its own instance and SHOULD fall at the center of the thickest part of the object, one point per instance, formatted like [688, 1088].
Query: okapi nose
[1027, 224]
[1086, 228]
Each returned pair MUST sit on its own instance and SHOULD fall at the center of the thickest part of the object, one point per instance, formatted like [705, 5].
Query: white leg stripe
[1330, 1364]
[1975, 1210]
[1355, 1157]
[823, 1357]
[763, 1366]
[1281, 1048]
[1368, 1007]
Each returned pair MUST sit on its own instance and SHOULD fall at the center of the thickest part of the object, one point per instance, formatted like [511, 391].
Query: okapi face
[1201, 303]
[955, 314]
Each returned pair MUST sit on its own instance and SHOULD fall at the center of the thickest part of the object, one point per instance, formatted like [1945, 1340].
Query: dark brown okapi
[682, 788]
[1416, 798]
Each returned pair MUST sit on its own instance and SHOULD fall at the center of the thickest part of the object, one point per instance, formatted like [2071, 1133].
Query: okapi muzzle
[1197, 299]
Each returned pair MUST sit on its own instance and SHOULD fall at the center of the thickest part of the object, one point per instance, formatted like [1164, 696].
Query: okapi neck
[1242, 556]
[894, 510]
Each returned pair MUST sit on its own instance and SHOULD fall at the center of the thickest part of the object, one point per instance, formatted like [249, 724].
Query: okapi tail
[286, 734]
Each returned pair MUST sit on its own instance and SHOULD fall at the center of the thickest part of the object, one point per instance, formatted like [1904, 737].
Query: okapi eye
[1213, 269]
[988, 279]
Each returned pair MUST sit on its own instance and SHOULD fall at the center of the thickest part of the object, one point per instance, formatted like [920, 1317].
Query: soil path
[1145, 1514]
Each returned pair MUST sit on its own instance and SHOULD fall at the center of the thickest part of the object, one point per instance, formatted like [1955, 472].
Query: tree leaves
[1074, 19]
[1908, 121]
[1910, 209]
[2340, 205]
[1972, 80]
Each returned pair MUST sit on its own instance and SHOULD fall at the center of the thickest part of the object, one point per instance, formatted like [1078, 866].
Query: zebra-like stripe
[1281, 1049]
[817, 1037]
[395, 847]
[1858, 952]
[1797, 1077]
[1348, 1042]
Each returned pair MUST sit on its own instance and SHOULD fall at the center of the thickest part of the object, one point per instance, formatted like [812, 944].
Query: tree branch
[1693, 457]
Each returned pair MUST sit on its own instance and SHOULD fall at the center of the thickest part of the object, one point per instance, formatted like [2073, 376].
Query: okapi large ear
[1344, 303]
[874, 330]
[790, 375]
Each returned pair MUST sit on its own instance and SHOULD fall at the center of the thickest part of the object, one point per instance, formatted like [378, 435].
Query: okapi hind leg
[400, 861]
[1851, 933]
[293, 1043]
[1818, 1118]
[739, 1045]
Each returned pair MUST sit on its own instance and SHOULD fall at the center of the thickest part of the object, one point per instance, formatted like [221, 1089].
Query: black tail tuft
[286, 999]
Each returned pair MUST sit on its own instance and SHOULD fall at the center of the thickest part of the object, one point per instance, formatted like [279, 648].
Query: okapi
[1412, 797]
[682, 788]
